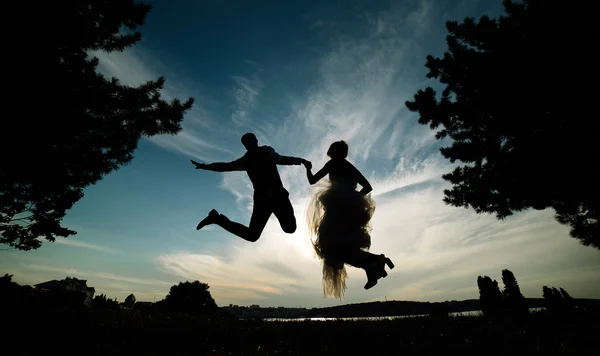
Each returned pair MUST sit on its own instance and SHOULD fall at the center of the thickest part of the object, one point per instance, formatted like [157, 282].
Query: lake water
[373, 318]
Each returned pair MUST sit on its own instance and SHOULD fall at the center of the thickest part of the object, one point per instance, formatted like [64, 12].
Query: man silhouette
[270, 196]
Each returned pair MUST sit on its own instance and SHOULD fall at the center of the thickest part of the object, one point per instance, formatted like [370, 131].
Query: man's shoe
[212, 217]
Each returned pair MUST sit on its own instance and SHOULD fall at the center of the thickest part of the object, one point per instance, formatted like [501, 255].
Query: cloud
[76, 243]
[438, 250]
[102, 275]
[246, 269]
[246, 92]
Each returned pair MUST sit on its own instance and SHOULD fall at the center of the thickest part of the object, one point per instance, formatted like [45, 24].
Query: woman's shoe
[377, 270]
[388, 262]
[374, 271]
[372, 276]
[382, 262]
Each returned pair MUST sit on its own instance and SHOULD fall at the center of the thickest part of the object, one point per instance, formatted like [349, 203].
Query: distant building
[69, 285]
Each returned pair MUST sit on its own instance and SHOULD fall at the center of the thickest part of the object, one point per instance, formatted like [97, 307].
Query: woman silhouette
[339, 219]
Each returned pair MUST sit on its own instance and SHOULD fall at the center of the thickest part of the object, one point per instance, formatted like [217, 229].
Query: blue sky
[300, 75]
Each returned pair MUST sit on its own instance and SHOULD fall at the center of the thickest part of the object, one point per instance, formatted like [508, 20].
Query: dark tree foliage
[510, 303]
[514, 300]
[490, 297]
[558, 301]
[518, 110]
[7, 283]
[189, 297]
[12, 294]
[82, 125]
[102, 302]
[130, 301]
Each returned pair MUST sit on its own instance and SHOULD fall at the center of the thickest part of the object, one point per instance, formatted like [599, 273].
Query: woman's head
[338, 150]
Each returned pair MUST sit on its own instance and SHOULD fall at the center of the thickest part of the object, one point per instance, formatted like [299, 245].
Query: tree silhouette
[558, 301]
[517, 113]
[83, 125]
[513, 298]
[102, 302]
[130, 301]
[490, 297]
[568, 301]
[189, 297]
[12, 294]
[7, 284]
[552, 299]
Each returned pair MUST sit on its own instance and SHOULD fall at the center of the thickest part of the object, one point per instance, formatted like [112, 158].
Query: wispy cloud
[246, 92]
[202, 136]
[76, 243]
[224, 276]
[102, 275]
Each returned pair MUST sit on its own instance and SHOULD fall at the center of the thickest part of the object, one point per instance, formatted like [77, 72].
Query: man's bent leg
[284, 211]
[260, 216]
[261, 212]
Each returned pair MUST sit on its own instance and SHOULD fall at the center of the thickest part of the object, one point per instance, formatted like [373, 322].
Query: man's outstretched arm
[286, 160]
[220, 166]
[290, 161]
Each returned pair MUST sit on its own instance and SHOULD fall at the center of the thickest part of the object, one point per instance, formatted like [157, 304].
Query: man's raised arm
[220, 166]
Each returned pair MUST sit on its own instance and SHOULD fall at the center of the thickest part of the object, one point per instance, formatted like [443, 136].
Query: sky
[300, 75]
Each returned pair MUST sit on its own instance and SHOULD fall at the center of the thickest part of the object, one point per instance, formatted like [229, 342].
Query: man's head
[338, 150]
[249, 141]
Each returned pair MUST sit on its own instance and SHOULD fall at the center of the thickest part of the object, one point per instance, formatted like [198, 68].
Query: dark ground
[110, 332]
